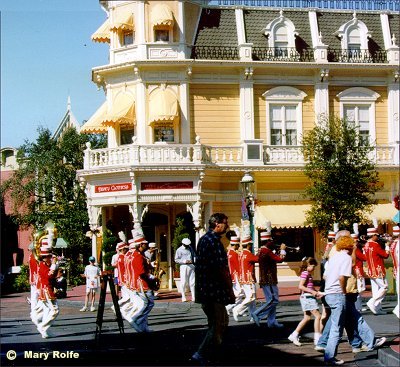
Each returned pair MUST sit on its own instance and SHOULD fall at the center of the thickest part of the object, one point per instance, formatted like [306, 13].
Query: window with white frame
[127, 37]
[354, 40]
[358, 106]
[359, 115]
[283, 125]
[284, 115]
[281, 35]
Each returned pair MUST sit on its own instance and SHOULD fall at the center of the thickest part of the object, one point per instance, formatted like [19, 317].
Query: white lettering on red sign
[113, 187]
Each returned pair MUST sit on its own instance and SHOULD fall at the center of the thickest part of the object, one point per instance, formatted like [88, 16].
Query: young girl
[308, 301]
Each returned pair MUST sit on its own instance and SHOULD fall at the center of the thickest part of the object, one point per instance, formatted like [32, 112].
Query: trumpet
[288, 248]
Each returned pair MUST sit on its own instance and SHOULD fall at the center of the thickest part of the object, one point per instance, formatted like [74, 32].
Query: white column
[141, 125]
[387, 37]
[140, 29]
[321, 100]
[246, 109]
[185, 115]
[393, 113]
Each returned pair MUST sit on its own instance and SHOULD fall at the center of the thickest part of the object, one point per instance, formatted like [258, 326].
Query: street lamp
[247, 184]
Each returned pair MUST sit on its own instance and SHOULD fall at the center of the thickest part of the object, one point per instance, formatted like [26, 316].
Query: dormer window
[354, 41]
[281, 37]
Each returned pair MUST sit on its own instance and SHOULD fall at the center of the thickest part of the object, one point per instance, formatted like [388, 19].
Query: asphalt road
[178, 329]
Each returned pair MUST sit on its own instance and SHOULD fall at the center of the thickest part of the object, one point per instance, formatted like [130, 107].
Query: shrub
[21, 283]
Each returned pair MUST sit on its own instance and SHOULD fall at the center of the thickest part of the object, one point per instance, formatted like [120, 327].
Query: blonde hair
[306, 261]
[345, 243]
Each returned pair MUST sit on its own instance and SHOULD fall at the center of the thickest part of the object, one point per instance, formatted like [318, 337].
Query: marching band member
[268, 280]
[33, 279]
[135, 303]
[247, 279]
[143, 282]
[122, 249]
[185, 257]
[234, 269]
[375, 256]
[358, 267]
[47, 305]
[394, 251]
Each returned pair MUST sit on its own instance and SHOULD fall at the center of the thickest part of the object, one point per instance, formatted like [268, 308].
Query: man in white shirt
[337, 271]
[184, 256]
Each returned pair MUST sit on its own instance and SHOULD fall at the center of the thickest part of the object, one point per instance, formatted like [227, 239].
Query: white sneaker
[92, 309]
[379, 342]
[235, 315]
[294, 340]
[83, 309]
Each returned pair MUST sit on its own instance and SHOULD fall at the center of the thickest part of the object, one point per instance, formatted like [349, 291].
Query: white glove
[387, 248]
[283, 252]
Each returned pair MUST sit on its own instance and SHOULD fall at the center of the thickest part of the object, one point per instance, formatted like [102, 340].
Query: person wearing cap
[33, 279]
[151, 255]
[213, 286]
[47, 307]
[121, 249]
[268, 261]
[185, 257]
[114, 264]
[234, 269]
[247, 279]
[92, 275]
[142, 282]
[375, 256]
[394, 252]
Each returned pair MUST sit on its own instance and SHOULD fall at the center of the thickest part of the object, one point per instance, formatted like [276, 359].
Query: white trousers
[379, 288]
[134, 307]
[396, 309]
[249, 301]
[187, 279]
[239, 295]
[46, 312]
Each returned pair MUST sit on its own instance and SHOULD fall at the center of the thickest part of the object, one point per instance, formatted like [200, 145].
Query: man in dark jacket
[213, 285]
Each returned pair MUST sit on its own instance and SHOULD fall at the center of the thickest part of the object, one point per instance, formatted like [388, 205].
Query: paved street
[178, 330]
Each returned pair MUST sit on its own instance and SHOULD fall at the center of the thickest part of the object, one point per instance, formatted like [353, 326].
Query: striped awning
[103, 33]
[281, 215]
[161, 15]
[95, 124]
[163, 107]
[121, 112]
[122, 21]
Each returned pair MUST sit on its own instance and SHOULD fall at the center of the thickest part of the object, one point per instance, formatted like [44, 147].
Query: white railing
[223, 155]
[195, 154]
[274, 154]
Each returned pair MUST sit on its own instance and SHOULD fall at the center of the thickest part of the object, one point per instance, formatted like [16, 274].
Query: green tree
[343, 178]
[44, 187]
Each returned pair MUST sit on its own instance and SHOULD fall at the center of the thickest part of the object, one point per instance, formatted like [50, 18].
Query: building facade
[198, 94]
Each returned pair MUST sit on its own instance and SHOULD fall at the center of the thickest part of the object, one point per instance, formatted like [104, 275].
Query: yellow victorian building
[198, 93]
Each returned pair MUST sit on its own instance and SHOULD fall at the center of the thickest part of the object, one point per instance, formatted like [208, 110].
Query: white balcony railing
[195, 154]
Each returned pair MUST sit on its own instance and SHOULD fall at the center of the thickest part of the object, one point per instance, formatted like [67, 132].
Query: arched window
[284, 115]
[358, 106]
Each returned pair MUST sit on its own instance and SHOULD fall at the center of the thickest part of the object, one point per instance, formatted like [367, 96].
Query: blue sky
[46, 56]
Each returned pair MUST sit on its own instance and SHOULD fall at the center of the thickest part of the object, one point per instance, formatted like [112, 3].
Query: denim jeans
[141, 320]
[337, 303]
[358, 331]
[271, 295]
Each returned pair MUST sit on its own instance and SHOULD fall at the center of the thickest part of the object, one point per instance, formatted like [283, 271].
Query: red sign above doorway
[181, 185]
[113, 187]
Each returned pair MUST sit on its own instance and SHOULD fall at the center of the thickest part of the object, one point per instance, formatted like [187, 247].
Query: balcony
[192, 155]
[357, 56]
[286, 54]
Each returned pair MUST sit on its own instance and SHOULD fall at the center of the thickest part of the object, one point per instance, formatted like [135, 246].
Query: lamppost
[247, 185]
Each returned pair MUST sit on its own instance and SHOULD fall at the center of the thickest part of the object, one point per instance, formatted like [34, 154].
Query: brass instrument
[288, 248]
[158, 271]
[49, 232]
